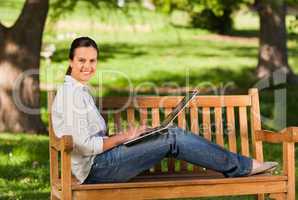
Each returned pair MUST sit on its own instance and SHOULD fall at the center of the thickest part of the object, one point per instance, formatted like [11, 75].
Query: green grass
[24, 166]
[145, 49]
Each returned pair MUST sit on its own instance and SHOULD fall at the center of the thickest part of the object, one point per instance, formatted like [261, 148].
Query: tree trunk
[273, 52]
[20, 47]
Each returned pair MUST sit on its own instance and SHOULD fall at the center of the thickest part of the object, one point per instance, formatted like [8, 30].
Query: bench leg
[278, 196]
[260, 197]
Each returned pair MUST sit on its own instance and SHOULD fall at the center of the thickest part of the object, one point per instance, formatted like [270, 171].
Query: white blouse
[75, 113]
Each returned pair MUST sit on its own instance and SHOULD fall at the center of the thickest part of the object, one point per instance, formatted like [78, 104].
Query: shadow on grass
[28, 195]
[187, 47]
[196, 48]
[252, 33]
[192, 78]
[107, 51]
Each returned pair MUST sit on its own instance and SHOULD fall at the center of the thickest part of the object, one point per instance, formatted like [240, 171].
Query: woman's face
[83, 64]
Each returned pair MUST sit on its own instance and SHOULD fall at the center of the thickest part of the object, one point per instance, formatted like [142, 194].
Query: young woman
[98, 158]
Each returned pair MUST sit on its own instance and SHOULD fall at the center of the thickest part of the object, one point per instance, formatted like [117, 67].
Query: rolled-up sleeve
[70, 117]
[90, 145]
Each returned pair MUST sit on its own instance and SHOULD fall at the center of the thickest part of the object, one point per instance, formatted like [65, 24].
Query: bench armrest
[288, 137]
[65, 143]
[289, 134]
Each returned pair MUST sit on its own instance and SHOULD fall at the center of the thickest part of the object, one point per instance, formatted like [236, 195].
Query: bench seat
[180, 186]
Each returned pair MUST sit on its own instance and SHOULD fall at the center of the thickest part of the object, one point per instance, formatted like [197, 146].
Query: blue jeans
[122, 163]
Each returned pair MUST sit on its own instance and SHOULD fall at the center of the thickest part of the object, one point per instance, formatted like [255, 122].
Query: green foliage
[62, 7]
[213, 15]
[197, 6]
[293, 25]
[209, 20]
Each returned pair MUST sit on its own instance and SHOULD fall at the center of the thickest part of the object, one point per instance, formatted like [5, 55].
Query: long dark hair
[80, 42]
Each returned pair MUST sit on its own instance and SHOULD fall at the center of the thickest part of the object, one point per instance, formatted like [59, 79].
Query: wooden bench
[232, 121]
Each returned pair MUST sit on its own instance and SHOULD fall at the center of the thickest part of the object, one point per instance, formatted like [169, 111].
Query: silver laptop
[167, 121]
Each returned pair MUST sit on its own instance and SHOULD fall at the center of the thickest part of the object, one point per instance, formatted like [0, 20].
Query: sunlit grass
[24, 166]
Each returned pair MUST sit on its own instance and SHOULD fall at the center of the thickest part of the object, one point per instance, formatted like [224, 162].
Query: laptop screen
[189, 96]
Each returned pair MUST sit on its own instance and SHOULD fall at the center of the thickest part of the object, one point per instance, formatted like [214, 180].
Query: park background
[169, 42]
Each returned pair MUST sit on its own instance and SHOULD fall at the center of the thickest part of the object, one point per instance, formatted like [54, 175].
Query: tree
[20, 47]
[273, 52]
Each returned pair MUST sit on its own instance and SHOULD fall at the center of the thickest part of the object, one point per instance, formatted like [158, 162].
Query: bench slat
[143, 122]
[184, 191]
[190, 181]
[131, 117]
[255, 118]
[182, 124]
[143, 116]
[206, 123]
[171, 161]
[181, 120]
[243, 131]
[194, 128]
[194, 120]
[218, 126]
[156, 122]
[231, 129]
[155, 117]
[117, 122]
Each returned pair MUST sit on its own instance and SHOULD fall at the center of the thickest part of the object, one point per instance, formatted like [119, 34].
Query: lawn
[144, 50]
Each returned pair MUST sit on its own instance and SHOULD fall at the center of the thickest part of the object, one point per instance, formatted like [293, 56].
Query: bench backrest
[228, 120]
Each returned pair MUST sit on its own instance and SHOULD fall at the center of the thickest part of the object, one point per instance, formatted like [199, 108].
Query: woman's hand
[117, 139]
[134, 132]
